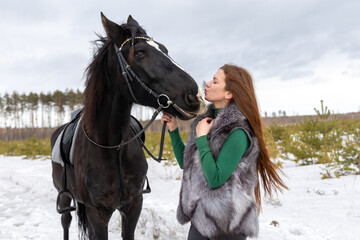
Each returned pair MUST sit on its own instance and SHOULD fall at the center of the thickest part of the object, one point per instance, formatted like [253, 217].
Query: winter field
[312, 208]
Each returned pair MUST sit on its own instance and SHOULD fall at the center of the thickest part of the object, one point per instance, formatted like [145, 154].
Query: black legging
[195, 235]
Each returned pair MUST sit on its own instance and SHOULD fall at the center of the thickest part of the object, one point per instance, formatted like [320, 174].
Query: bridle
[162, 99]
[130, 75]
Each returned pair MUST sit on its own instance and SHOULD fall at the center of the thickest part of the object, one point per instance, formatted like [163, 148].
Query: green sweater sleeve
[177, 145]
[218, 172]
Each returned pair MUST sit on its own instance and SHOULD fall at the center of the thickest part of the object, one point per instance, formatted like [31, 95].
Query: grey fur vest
[230, 208]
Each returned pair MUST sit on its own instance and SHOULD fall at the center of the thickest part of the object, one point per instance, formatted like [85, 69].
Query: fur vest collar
[230, 208]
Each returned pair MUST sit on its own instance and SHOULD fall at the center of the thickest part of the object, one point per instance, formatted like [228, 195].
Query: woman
[222, 160]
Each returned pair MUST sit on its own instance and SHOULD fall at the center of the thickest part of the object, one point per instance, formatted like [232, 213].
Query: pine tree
[348, 161]
[48, 101]
[316, 140]
[8, 108]
[33, 101]
[23, 107]
[42, 99]
[2, 105]
[16, 102]
[330, 135]
[59, 102]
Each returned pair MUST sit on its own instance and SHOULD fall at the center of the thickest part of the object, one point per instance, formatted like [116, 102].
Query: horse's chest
[110, 188]
[103, 186]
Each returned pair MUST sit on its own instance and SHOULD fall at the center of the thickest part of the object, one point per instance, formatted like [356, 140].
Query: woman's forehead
[220, 75]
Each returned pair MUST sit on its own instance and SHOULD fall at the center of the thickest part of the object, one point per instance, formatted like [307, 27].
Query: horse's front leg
[98, 220]
[130, 216]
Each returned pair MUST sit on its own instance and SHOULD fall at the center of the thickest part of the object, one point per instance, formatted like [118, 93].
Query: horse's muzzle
[191, 101]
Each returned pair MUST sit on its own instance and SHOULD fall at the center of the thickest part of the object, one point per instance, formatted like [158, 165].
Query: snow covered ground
[311, 209]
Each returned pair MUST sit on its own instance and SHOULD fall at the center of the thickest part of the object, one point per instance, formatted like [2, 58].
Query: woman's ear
[228, 96]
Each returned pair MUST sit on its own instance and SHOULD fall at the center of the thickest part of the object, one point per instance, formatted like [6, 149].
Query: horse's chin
[187, 115]
[182, 114]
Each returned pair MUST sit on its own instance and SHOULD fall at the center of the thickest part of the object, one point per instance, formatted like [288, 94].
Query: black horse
[104, 179]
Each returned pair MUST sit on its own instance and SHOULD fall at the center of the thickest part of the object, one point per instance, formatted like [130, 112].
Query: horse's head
[150, 61]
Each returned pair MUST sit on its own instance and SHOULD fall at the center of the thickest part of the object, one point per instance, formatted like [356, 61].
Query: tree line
[24, 110]
[324, 138]
[33, 112]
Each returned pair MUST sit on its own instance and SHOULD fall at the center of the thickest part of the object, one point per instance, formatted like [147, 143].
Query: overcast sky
[298, 52]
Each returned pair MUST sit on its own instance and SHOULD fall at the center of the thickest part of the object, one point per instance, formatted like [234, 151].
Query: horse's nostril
[191, 100]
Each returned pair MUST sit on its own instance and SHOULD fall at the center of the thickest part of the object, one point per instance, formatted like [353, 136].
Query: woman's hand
[171, 121]
[204, 126]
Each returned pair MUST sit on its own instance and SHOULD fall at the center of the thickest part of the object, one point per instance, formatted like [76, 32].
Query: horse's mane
[96, 78]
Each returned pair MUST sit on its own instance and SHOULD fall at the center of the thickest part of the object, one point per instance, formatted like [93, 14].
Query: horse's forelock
[133, 31]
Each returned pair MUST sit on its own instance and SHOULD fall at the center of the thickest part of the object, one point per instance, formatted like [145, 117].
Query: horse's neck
[113, 121]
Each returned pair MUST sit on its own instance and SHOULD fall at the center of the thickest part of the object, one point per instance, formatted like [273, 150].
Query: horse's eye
[139, 54]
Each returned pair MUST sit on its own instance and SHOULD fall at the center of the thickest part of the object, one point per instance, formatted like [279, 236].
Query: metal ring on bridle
[168, 101]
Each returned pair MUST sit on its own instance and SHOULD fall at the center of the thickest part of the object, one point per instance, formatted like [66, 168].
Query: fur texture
[231, 208]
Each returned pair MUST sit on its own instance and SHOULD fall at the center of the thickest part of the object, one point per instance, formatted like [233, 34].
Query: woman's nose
[208, 84]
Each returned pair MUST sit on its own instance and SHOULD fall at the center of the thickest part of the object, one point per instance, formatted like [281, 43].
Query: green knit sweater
[217, 171]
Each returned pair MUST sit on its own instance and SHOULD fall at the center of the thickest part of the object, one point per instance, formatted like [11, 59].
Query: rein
[129, 76]
[137, 136]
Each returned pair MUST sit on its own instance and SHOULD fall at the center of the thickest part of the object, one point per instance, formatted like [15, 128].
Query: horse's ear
[132, 22]
[113, 31]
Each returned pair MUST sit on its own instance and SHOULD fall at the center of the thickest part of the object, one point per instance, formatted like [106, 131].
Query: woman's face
[215, 90]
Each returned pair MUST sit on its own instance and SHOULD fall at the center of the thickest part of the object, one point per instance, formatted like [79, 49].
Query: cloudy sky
[299, 52]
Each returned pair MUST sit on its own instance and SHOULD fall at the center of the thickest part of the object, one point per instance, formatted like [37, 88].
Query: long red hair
[239, 82]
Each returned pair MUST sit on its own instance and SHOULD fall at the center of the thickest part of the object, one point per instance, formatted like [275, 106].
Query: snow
[312, 208]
